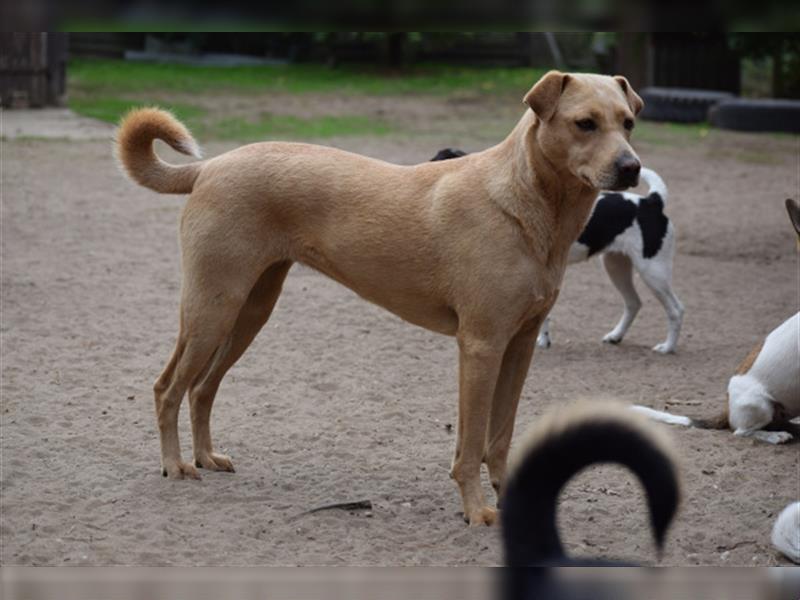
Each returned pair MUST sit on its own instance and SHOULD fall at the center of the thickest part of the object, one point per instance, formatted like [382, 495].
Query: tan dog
[474, 248]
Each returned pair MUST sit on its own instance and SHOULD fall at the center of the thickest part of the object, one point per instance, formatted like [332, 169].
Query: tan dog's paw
[483, 516]
[179, 470]
[214, 462]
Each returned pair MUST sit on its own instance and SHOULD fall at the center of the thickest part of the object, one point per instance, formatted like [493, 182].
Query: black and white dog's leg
[620, 271]
[578, 252]
[657, 274]
[543, 341]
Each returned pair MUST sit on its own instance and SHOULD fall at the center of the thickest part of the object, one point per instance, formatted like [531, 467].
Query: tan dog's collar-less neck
[551, 181]
[543, 199]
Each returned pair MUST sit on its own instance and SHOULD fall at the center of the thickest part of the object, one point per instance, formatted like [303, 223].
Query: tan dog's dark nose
[628, 167]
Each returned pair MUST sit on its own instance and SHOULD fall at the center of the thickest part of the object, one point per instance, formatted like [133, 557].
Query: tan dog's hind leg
[516, 361]
[252, 317]
[479, 366]
[214, 291]
[191, 354]
[169, 435]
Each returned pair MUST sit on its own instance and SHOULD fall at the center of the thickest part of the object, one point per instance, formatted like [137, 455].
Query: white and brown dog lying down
[631, 232]
[765, 390]
[560, 445]
[786, 531]
[474, 248]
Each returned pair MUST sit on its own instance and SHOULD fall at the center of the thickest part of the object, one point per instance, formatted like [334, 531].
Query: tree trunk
[777, 72]
[396, 50]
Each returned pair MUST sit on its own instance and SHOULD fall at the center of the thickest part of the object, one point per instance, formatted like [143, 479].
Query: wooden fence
[703, 61]
[32, 69]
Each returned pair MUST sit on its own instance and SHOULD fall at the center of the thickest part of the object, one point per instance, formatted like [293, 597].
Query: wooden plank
[25, 77]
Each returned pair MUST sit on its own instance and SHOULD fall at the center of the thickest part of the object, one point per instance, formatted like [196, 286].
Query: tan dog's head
[585, 123]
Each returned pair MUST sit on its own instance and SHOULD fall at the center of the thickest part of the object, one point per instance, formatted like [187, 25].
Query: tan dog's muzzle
[627, 167]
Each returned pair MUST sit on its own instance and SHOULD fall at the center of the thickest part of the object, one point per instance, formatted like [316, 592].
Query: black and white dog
[630, 232]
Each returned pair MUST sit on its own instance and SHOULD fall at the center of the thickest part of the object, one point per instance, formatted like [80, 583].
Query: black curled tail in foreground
[562, 444]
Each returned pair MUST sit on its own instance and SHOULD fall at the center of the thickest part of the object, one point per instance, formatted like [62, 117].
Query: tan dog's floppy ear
[634, 101]
[544, 95]
[794, 213]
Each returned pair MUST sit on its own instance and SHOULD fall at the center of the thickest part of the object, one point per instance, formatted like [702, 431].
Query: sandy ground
[338, 400]
[52, 123]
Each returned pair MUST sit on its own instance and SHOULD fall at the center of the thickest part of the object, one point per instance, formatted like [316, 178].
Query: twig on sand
[683, 403]
[736, 545]
[358, 505]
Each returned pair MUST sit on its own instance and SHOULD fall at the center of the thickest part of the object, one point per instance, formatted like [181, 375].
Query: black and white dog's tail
[448, 153]
[655, 183]
[559, 446]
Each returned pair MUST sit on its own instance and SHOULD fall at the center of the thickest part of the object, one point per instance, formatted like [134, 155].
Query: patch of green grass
[100, 89]
[670, 133]
[755, 158]
[271, 126]
[673, 134]
[90, 76]
[263, 127]
[112, 109]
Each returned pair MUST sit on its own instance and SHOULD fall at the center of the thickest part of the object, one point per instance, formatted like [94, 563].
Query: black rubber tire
[757, 115]
[678, 104]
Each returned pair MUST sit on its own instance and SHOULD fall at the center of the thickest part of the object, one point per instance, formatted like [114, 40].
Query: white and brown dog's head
[584, 122]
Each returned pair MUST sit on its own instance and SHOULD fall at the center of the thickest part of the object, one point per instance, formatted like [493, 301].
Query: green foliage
[782, 50]
[763, 45]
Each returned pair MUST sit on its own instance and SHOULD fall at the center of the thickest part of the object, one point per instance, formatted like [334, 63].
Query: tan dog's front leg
[479, 365]
[516, 361]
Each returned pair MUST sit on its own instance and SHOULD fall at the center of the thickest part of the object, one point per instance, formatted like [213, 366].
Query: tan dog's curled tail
[134, 149]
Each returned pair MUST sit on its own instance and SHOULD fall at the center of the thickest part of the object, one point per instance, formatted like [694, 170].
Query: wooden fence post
[32, 69]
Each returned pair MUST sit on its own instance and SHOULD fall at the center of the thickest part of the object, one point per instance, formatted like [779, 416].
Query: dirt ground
[337, 400]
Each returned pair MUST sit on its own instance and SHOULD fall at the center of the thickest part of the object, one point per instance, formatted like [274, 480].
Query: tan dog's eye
[628, 124]
[586, 124]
